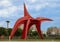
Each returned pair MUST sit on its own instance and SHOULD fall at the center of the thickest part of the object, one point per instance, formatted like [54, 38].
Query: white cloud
[2, 23]
[8, 8]
[8, 12]
[5, 3]
[12, 9]
[31, 1]
[37, 7]
[39, 4]
[3, 13]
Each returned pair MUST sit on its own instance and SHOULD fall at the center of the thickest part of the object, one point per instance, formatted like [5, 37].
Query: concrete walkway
[30, 41]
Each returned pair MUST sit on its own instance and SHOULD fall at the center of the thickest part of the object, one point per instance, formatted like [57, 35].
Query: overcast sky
[13, 9]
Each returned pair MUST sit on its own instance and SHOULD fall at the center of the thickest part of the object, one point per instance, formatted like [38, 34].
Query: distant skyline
[13, 9]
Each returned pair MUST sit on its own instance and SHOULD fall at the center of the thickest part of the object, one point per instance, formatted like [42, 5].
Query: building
[53, 31]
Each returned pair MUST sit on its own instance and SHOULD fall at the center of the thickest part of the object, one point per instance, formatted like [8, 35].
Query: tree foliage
[2, 31]
[18, 32]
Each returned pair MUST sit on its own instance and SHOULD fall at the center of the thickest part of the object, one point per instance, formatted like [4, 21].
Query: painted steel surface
[28, 21]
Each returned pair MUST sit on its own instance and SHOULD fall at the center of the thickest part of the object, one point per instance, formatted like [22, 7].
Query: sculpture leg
[15, 28]
[23, 32]
[26, 26]
[39, 30]
[13, 32]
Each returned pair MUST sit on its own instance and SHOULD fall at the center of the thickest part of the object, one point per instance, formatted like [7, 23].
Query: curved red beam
[28, 21]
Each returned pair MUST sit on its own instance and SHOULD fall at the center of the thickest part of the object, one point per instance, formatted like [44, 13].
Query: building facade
[53, 31]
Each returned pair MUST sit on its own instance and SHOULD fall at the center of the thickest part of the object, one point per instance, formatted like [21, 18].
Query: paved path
[29, 41]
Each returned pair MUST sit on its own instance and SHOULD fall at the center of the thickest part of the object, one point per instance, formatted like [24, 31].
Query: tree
[2, 31]
[18, 32]
[33, 34]
[9, 31]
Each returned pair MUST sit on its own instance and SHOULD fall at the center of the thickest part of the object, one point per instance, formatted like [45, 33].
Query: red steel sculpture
[28, 21]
